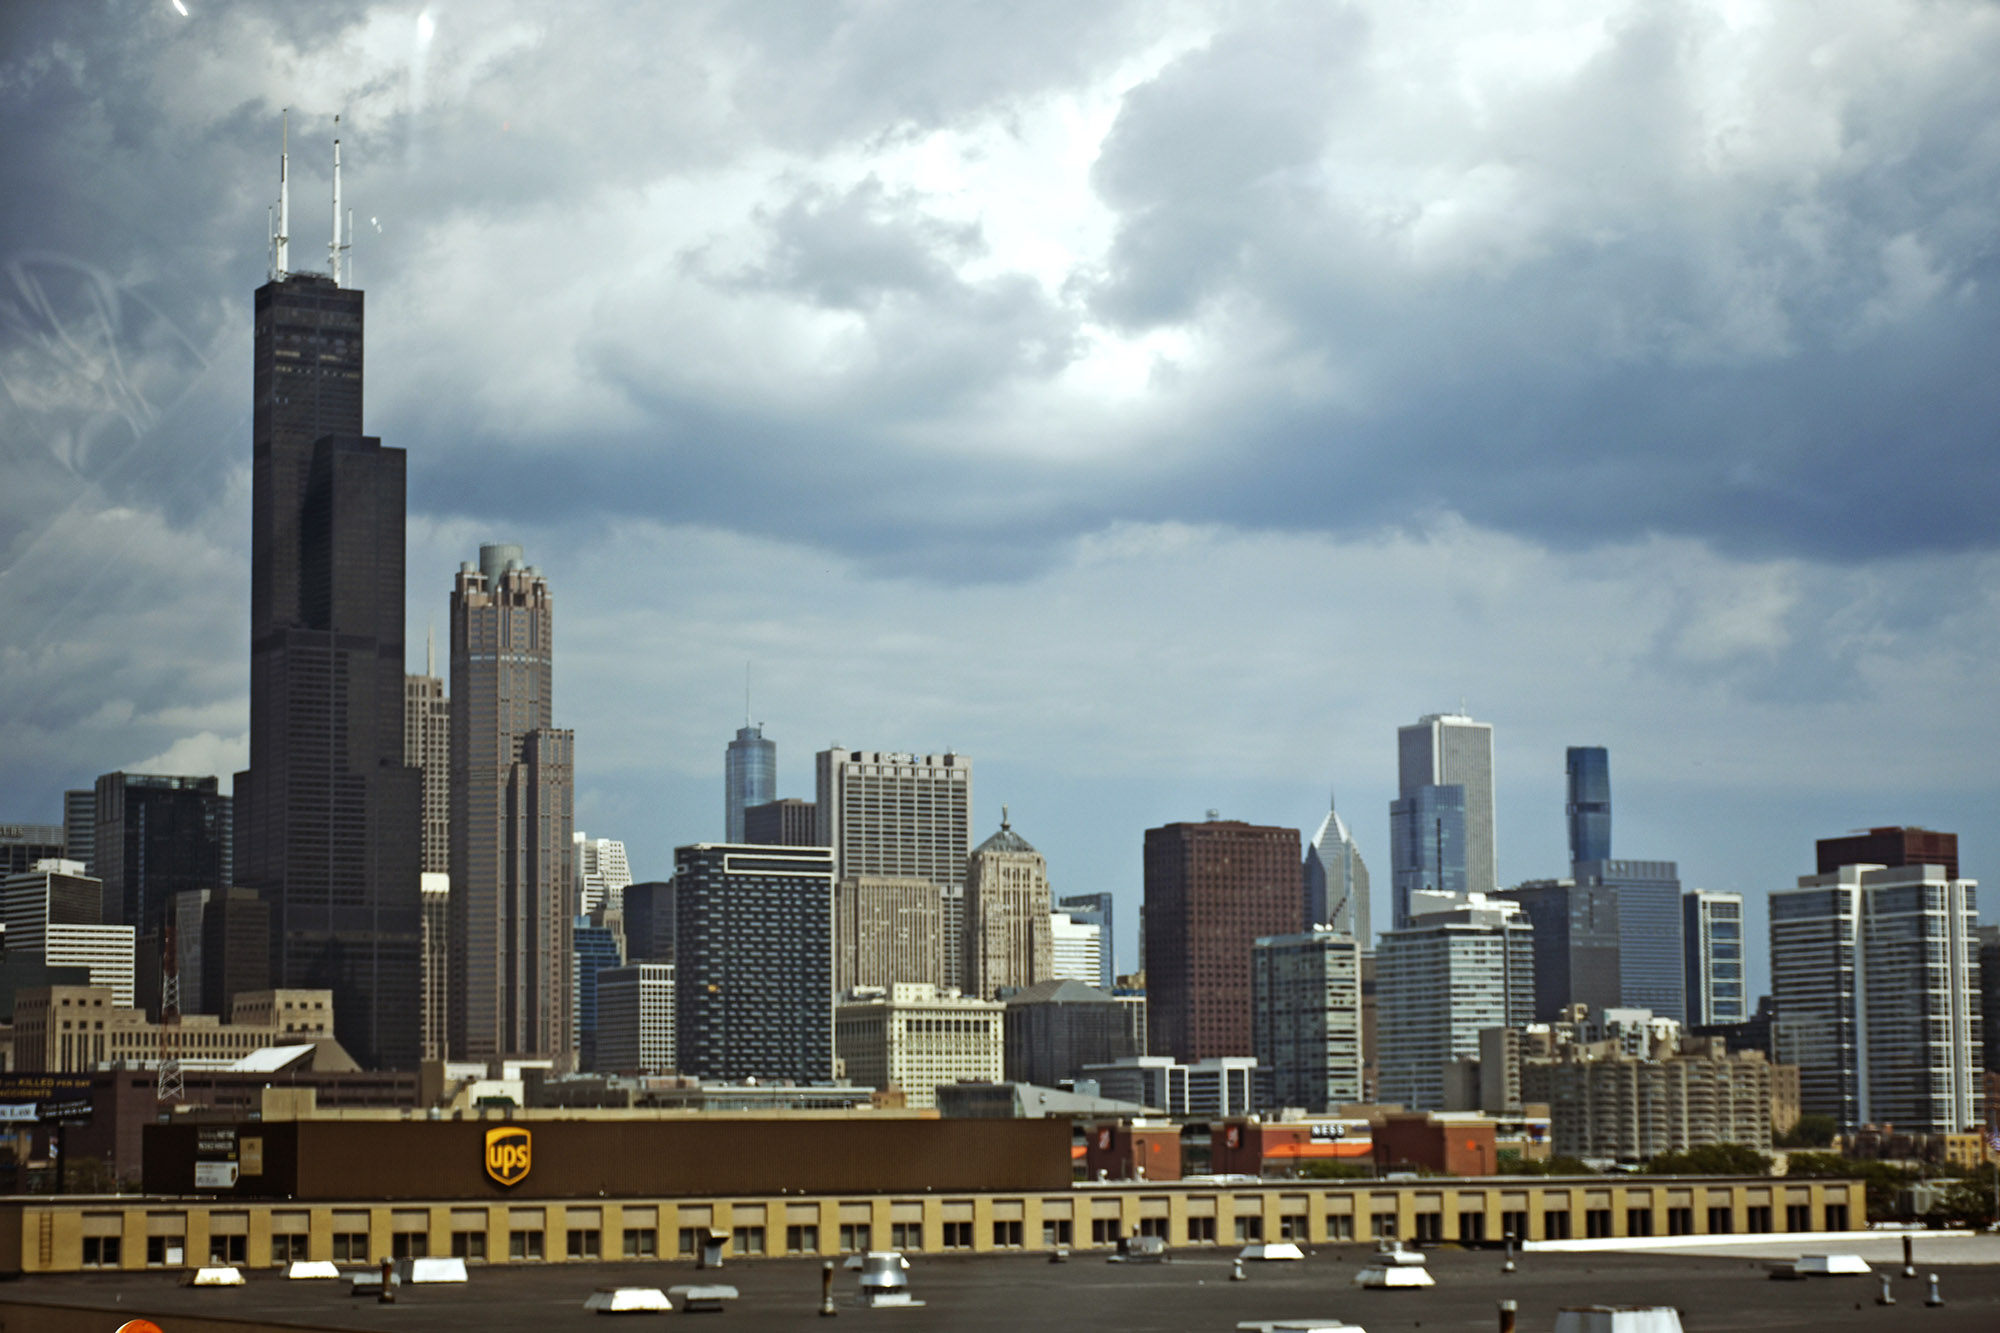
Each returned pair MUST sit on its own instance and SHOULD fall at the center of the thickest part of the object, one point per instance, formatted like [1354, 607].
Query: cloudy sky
[1159, 403]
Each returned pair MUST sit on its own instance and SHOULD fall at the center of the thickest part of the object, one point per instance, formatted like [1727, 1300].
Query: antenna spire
[281, 236]
[336, 249]
[431, 650]
[746, 694]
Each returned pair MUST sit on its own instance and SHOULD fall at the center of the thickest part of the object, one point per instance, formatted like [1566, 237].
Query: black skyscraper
[328, 818]
[157, 836]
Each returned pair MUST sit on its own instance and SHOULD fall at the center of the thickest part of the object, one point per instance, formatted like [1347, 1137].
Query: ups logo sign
[509, 1154]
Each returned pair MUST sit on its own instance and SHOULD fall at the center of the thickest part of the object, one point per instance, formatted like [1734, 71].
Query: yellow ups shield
[509, 1153]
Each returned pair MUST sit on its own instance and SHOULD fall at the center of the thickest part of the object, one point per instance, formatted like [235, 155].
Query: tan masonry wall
[48, 1235]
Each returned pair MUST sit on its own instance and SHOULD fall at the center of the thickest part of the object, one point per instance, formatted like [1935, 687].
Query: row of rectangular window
[642, 1242]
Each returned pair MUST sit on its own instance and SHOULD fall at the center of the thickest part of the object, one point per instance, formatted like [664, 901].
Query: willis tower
[328, 816]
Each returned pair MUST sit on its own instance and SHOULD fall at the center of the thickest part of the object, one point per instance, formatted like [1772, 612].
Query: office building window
[746, 1240]
[802, 1239]
[524, 1246]
[584, 1243]
[856, 1237]
[641, 1243]
[350, 1247]
[470, 1245]
[100, 1251]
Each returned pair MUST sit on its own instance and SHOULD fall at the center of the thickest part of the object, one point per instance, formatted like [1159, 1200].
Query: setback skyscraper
[902, 815]
[1444, 979]
[1589, 805]
[328, 815]
[1007, 938]
[1336, 881]
[1094, 909]
[1452, 750]
[749, 777]
[513, 884]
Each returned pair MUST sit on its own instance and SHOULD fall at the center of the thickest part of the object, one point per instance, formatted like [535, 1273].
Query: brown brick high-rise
[1211, 890]
[1893, 847]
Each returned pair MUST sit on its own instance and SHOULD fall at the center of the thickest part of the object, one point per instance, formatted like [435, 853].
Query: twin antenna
[281, 222]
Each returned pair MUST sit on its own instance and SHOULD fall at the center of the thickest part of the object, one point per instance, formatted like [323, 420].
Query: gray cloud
[1009, 341]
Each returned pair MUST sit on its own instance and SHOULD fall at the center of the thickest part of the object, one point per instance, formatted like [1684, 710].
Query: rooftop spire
[281, 233]
[336, 249]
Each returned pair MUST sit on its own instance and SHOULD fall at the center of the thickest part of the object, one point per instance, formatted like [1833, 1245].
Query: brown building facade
[1892, 847]
[1211, 890]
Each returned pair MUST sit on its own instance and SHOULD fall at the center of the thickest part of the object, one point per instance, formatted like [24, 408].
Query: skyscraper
[597, 951]
[1873, 972]
[789, 822]
[1076, 949]
[328, 816]
[749, 776]
[437, 965]
[601, 873]
[1336, 881]
[1712, 944]
[902, 815]
[1892, 846]
[427, 746]
[1442, 980]
[1452, 750]
[753, 962]
[1589, 805]
[80, 828]
[1007, 937]
[1651, 968]
[1095, 909]
[1306, 1017]
[1211, 890]
[1576, 944]
[1426, 851]
[886, 930]
[157, 836]
[24, 846]
[512, 796]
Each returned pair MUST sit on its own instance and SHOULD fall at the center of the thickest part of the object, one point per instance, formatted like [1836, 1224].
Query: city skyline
[1774, 652]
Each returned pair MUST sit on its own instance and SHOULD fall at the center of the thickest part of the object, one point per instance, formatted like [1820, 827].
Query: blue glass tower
[1589, 807]
[595, 948]
[749, 777]
[1426, 846]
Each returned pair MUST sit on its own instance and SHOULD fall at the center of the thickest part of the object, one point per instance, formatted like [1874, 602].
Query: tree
[1711, 1159]
[1811, 1131]
[1511, 1165]
[1884, 1180]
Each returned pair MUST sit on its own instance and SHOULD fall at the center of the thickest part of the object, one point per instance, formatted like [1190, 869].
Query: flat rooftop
[1010, 1292]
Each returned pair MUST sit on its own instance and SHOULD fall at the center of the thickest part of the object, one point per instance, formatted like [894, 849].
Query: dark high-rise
[1212, 889]
[1892, 847]
[753, 961]
[157, 836]
[1589, 806]
[328, 815]
[1575, 942]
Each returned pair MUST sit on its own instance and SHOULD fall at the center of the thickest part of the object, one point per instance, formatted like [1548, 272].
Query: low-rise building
[1220, 1086]
[914, 1037]
[76, 1029]
[1056, 1028]
[1606, 1104]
